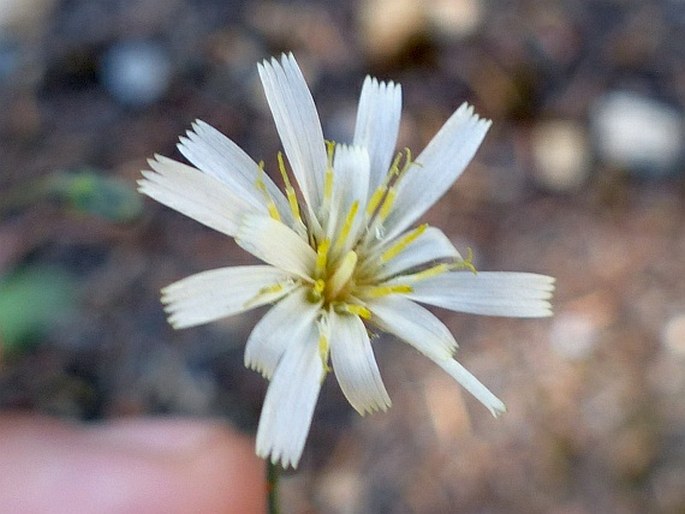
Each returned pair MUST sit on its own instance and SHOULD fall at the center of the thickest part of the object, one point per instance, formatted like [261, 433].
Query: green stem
[272, 475]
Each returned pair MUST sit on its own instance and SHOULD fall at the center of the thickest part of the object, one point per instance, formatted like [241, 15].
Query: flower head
[340, 254]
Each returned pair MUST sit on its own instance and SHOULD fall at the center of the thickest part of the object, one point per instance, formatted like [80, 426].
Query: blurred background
[581, 177]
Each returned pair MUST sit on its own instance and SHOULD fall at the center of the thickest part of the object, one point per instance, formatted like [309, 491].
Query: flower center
[334, 282]
[346, 231]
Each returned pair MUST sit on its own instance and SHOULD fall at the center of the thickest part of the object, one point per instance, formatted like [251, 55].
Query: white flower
[340, 255]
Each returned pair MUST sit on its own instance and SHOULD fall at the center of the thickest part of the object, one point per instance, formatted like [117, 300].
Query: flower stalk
[272, 478]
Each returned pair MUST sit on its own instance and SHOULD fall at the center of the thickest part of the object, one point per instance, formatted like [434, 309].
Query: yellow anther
[407, 161]
[328, 186]
[375, 199]
[261, 186]
[402, 244]
[395, 171]
[379, 291]
[282, 169]
[289, 190]
[328, 179]
[276, 288]
[352, 308]
[324, 348]
[359, 310]
[330, 151]
[322, 257]
[347, 226]
[394, 168]
[315, 294]
[324, 327]
[263, 292]
[386, 208]
[466, 263]
[438, 269]
[273, 211]
[384, 195]
[342, 274]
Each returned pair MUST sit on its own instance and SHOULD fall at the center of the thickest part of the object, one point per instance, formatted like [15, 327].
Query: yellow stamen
[379, 291]
[276, 288]
[375, 199]
[389, 200]
[289, 190]
[261, 186]
[379, 196]
[438, 269]
[386, 208]
[394, 168]
[347, 226]
[330, 151]
[352, 308]
[395, 171]
[264, 291]
[324, 343]
[407, 162]
[322, 257]
[466, 263]
[328, 186]
[323, 351]
[315, 294]
[328, 176]
[402, 244]
[342, 274]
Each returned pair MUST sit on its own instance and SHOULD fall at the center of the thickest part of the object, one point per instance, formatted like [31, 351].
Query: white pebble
[455, 18]
[560, 154]
[573, 335]
[136, 73]
[387, 25]
[637, 132]
[673, 334]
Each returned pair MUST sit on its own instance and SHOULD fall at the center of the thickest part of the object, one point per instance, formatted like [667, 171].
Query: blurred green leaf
[32, 300]
[92, 193]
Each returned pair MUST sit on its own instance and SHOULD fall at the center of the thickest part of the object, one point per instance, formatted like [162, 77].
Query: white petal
[436, 168]
[418, 327]
[191, 192]
[218, 156]
[287, 321]
[276, 244]
[378, 122]
[413, 324]
[432, 245]
[218, 293]
[472, 385]
[351, 180]
[524, 295]
[355, 365]
[290, 401]
[297, 122]
[350, 183]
